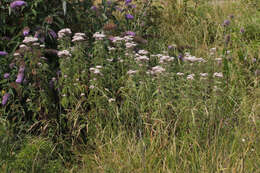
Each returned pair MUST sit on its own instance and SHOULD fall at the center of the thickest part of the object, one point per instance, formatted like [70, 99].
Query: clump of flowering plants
[73, 62]
[26, 85]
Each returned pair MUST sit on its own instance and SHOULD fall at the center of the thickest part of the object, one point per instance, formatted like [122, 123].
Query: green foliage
[37, 156]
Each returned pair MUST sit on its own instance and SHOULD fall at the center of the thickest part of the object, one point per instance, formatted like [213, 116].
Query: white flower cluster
[156, 70]
[190, 58]
[130, 72]
[99, 35]
[111, 100]
[130, 45]
[17, 54]
[165, 58]
[141, 58]
[36, 44]
[79, 37]
[96, 70]
[190, 76]
[30, 40]
[180, 74]
[129, 41]
[64, 32]
[23, 48]
[218, 74]
[143, 52]
[111, 48]
[203, 75]
[64, 53]
[128, 38]
[213, 51]
[218, 59]
[117, 39]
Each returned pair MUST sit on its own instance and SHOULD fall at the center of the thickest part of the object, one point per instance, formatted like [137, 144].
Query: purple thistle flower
[129, 16]
[227, 39]
[130, 33]
[109, 2]
[242, 30]
[5, 98]
[3, 53]
[16, 4]
[180, 57]
[226, 22]
[94, 8]
[6, 75]
[170, 47]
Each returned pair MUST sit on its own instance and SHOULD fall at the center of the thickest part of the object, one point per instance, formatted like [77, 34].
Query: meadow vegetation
[129, 86]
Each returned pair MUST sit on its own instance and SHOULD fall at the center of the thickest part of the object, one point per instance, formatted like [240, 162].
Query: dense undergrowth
[129, 86]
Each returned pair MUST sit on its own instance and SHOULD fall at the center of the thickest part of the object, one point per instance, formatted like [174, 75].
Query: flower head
[94, 8]
[190, 77]
[64, 32]
[128, 1]
[28, 40]
[130, 72]
[130, 45]
[6, 75]
[17, 4]
[129, 16]
[5, 98]
[64, 53]
[226, 22]
[3, 53]
[78, 37]
[19, 78]
[216, 74]
[26, 31]
[242, 30]
[227, 39]
[143, 52]
[156, 70]
[131, 33]
[99, 35]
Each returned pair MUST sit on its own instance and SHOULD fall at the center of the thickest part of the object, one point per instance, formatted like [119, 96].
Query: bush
[37, 156]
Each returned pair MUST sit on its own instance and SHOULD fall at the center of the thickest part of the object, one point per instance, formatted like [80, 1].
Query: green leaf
[64, 6]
